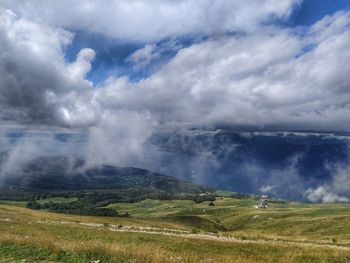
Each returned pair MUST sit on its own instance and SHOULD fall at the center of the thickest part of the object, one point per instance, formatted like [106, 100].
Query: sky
[270, 63]
[118, 71]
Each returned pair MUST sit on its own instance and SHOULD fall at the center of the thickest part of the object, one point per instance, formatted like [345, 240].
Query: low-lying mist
[299, 166]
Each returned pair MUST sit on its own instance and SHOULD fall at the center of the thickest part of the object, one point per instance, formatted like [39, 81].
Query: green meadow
[227, 230]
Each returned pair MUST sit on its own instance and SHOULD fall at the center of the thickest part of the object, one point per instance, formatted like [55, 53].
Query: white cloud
[21, 146]
[324, 195]
[119, 138]
[262, 79]
[155, 19]
[82, 65]
[144, 56]
[36, 84]
[336, 190]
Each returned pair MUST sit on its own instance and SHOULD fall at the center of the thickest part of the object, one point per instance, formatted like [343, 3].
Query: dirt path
[188, 234]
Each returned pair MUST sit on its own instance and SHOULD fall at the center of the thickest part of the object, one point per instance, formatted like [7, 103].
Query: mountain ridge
[61, 173]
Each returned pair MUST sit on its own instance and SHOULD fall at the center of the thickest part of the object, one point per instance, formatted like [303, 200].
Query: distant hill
[63, 174]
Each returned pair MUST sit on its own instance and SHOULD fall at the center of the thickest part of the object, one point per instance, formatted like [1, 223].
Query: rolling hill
[62, 174]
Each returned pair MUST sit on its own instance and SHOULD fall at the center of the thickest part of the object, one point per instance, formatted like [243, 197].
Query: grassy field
[14, 203]
[296, 221]
[57, 199]
[180, 231]
[40, 201]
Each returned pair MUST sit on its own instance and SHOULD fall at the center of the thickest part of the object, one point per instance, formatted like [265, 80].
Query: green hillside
[44, 181]
[322, 222]
[62, 174]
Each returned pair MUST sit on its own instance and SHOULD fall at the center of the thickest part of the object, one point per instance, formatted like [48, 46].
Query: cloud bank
[267, 79]
[152, 20]
[284, 78]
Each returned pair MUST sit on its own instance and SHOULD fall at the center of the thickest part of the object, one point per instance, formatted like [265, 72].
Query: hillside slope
[37, 236]
[60, 173]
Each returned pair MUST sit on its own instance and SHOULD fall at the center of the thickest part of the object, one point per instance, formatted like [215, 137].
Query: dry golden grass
[150, 253]
[22, 229]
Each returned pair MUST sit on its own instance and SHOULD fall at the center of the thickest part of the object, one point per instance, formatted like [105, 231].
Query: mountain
[63, 174]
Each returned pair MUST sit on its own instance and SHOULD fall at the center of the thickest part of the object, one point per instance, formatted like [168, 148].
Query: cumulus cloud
[82, 65]
[156, 19]
[270, 79]
[337, 190]
[36, 84]
[324, 195]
